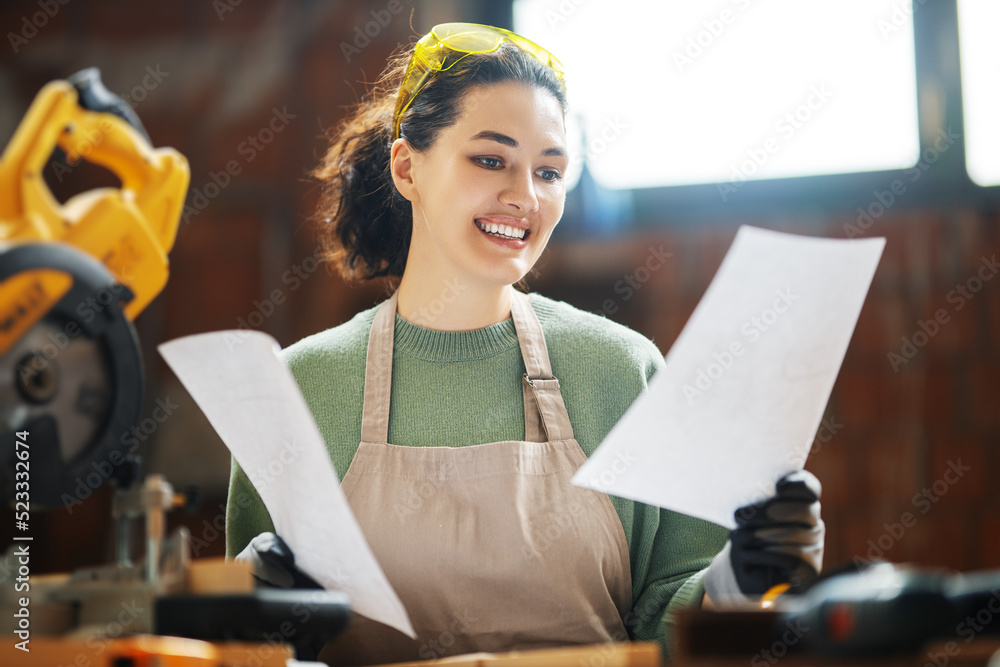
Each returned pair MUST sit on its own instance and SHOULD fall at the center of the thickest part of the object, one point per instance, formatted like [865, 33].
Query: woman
[450, 176]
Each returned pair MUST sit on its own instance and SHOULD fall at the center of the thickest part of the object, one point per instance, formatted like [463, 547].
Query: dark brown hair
[364, 222]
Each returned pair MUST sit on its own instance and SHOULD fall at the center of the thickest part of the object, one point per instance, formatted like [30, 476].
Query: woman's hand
[778, 540]
[274, 563]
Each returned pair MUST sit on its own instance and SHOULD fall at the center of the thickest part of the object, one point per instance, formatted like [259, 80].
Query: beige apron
[489, 547]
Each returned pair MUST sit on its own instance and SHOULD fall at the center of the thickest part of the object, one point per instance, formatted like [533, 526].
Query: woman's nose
[520, 192]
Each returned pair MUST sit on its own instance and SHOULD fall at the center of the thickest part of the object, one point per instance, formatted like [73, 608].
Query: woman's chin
[492, 271]
[509, 276]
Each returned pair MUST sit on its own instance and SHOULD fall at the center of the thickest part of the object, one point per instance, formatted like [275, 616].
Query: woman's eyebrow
[491, 135]
[497, 137]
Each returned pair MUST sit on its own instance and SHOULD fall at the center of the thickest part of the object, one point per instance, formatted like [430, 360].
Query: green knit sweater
[463, 388]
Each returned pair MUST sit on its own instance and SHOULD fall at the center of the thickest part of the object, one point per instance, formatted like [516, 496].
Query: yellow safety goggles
[446, 44]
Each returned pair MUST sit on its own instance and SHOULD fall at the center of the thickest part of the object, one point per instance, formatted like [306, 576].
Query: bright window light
[725, 91]
[977, 26]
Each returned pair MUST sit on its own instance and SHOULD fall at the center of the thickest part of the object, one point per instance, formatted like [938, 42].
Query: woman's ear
[401, 166]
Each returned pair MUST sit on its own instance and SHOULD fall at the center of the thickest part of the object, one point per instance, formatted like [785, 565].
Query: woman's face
[489, 191]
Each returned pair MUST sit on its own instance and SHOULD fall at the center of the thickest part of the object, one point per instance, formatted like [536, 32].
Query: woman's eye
[489, 162]
[550, 175]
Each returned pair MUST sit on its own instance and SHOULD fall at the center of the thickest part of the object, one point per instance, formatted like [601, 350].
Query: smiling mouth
[503, 231]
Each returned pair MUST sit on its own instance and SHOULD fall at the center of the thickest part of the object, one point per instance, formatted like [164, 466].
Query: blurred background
[854, 119]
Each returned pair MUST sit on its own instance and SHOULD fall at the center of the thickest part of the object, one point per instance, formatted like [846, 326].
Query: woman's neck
[452, 304]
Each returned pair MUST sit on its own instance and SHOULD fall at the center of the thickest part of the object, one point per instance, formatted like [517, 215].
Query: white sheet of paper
[746, 383]
[254, 404]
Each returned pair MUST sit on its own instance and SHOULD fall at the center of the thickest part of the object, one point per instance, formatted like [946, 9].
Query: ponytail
[364, 223]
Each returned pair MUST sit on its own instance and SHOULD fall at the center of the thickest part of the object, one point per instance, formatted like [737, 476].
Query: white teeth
[501, 230]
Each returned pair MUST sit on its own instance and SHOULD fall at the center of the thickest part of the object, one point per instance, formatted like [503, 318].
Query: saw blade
[69, 378]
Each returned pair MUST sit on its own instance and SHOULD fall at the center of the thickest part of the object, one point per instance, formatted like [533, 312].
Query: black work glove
[777, 540]
[274, 563]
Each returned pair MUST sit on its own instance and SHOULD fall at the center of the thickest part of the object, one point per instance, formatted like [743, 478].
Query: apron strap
[378, 374]
[545, 416]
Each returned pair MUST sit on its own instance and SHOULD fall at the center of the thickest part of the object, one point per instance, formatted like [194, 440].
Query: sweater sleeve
[246, 515]
[671, 564]
[682, 549]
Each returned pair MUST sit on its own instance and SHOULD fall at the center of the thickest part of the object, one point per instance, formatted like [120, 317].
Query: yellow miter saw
[73, 276]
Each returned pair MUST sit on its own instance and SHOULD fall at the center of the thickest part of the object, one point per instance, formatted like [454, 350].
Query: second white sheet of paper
[746, 383]
[254, 404]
